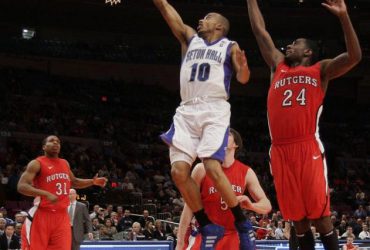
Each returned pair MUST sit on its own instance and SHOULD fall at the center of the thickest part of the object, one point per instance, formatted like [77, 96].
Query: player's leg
[304, 234]
[39, 231]
[318, 199]
[61, 235]
[328, 235]
[215, 122]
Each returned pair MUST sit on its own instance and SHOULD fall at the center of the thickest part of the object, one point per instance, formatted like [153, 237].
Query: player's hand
[337, 7]
[52, 197]
[245, 202]
[241, 58]
[99, 181]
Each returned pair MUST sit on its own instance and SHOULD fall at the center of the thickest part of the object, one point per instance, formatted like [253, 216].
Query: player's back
[294, 103]
[206, 69]
[214, 206]
[54, 178]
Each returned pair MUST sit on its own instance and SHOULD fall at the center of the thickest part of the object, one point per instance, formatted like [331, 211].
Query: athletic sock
[306, 241]
[238, 213]
[202, 218]
[330, 240]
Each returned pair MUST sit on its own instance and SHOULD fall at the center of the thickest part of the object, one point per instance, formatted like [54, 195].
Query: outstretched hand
[337, 7]
[241, 58]
[99, 181]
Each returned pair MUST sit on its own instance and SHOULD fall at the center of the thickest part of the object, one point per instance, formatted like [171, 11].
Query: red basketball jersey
[216, 209]
[294, 103]
[54, 178]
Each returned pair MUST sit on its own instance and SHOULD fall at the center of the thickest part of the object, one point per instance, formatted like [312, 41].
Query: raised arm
[240, 64]
[271, 55]
[332, 68]
[181, 31]
[25, 186]
[262, 204]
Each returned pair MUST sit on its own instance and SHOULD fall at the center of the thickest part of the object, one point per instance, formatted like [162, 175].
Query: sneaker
[211, 234]
[246, 235]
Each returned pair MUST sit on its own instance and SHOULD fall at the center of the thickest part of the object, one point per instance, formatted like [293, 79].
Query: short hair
[225, 23]
[313, 45]
[46, 139]
[238, 141]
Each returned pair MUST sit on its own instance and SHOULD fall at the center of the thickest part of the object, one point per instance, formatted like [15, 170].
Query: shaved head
[225, 23]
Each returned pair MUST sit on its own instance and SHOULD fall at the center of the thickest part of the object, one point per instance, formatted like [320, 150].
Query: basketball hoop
[112, 2]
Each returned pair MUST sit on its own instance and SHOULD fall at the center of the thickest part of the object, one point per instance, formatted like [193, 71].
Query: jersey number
[224, 206]
[301, 98]
[61, 188]
[202, 70]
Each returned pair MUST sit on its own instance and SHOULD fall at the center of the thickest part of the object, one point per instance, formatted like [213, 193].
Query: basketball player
[49, 179]
[242, 179]
[294, 106]
[200, 125]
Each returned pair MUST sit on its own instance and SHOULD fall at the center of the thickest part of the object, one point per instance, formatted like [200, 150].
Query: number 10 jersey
[206, 69]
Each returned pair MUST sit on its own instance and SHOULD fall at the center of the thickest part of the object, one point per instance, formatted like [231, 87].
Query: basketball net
[112, 2]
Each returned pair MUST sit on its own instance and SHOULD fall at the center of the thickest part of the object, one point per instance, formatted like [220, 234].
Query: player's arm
[240, 64]
[25, 186]
[182, 32]
[84, 183]
[332, 68]
[262, 204]
[198, 175]
[270, 54]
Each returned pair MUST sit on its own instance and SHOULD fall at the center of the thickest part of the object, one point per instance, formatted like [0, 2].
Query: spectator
[349, 244]
[5, 215]
[364, 235]
[270, 235]
[360, 212]
[279, 231]
[20, 217]
[9, 240]
[95, 212]
[126, 221]
[149, 230]
[173, 236]
[145, 218]
[2, 225]
[119, 212]
[262, 231]
[348, 233]
[136, 233]
[18, 229]
[159, 232]
[95, 224]
[109, 229]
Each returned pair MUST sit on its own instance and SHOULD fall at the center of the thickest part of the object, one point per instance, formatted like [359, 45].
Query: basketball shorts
[300, 177]
[48, 230]
[199, 129]
[228, 242]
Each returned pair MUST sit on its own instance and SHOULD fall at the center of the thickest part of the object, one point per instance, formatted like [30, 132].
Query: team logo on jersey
[222, 43]
[50, 166]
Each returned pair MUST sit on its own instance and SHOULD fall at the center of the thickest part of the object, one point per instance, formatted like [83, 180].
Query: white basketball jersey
[206, 69]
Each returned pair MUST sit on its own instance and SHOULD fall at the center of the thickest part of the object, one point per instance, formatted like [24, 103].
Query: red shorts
[48, 231]
[229, 241]
[300, 177]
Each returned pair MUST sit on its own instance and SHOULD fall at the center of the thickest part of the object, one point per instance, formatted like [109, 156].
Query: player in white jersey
[201, 124]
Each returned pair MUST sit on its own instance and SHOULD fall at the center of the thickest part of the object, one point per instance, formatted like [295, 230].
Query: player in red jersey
[242, 179]
[49, 178]
[294, 105]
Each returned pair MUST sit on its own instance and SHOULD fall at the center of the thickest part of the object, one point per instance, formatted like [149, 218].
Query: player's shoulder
[241, 164]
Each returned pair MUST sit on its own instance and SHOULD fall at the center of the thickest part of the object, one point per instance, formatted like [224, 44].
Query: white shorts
[199, 129]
